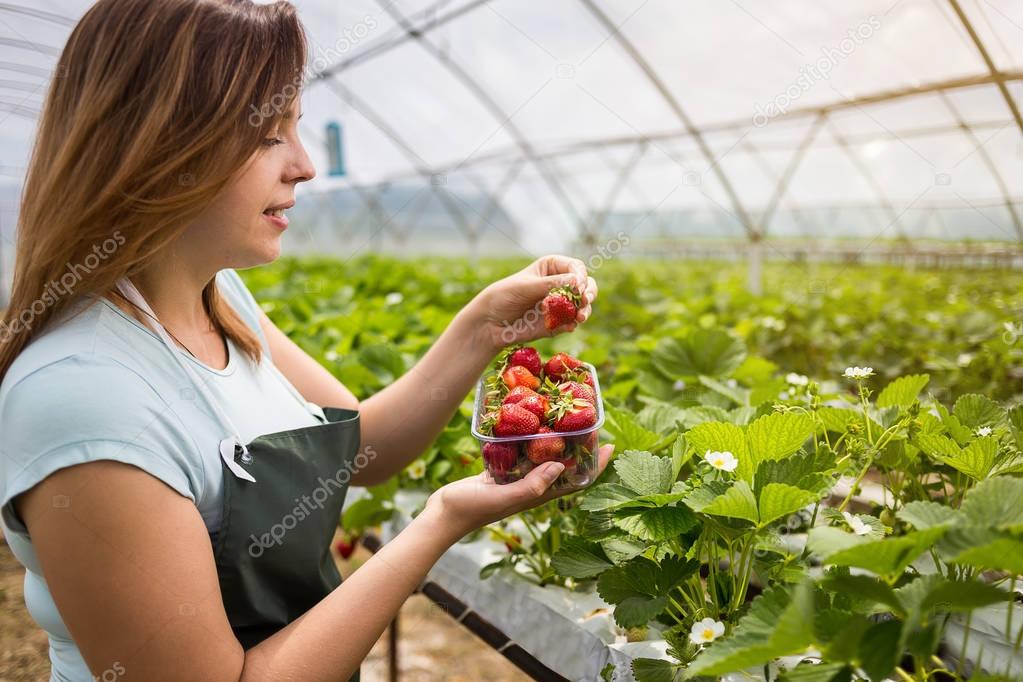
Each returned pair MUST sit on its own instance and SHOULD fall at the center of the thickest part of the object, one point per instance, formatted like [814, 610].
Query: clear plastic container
[579, 457]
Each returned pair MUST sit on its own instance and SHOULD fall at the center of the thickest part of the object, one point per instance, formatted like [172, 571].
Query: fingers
[603, 457]
[534, 485]
[559, 265]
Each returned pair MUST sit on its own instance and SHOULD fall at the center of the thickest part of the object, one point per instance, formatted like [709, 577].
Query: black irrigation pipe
[476, 624]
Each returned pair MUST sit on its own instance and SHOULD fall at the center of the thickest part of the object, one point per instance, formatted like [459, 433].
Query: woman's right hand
[476, 501]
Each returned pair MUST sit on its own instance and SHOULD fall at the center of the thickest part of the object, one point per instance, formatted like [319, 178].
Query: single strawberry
[517, 394]
[500, 457]
[466, 460]
[581, 415]
[527, 357]
[560, 307]
[516, 421]
[540, 450]
[345, 548]
[536, 404]
[579, 390]
[517, 375]
[560, 365]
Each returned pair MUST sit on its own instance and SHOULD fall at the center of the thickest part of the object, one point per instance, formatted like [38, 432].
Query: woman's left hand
[511, 309]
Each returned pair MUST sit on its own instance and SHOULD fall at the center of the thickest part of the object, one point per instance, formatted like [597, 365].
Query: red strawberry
[540, 450]
[500, 457]
[526, 357]
[517, 394]
[346, 547]
[569, 462]
[579, 390]
[516, 421]
[536, 404]
[559, 307]
[560, 365]
[586, 443]
[520, 376]
[581, 415]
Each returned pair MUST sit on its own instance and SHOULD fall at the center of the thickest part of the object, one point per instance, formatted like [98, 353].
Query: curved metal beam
[379, 48]
[422, 169]
[624, 173]
[988, 161]
[693, 131]
[37, 14]
[758, 158]
[986, 56]
[861, 167]
[489, 103]
[25, 69]
[790, 170]
[30, 45]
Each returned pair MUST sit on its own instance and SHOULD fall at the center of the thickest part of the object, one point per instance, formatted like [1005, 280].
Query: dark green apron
[283, 494]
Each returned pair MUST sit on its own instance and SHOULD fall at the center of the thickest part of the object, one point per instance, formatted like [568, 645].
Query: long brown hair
[154, 106]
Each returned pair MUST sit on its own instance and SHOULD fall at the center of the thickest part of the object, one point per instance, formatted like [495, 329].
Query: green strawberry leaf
[655, 524]
[579, 558]
[656, 670]
[774, 437]
[638, 588]
[778, 623]
[606, 496]
[626, 430]
[780, 499]
[864, 587]
[713, 352]
[974, 410]
[737, 502]
[996, 502]
[904, 391]
[888, 557]
[644, 473]
[925, 514]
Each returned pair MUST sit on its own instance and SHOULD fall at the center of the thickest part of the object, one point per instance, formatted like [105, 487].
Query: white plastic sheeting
[541, 122]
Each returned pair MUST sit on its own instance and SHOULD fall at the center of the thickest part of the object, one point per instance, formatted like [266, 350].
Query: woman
[157, 428]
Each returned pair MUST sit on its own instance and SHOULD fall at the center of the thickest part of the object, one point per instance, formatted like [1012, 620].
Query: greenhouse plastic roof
[548, 121]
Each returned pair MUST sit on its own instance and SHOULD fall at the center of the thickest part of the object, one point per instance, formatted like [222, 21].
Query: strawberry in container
[528, 412]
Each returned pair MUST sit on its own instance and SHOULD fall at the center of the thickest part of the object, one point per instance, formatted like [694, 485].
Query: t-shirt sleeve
[244, 303]
[86, 408]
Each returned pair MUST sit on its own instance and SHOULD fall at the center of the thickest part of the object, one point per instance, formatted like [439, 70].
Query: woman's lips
[280, 222]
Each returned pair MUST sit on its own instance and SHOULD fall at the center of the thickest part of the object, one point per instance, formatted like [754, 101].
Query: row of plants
[735, 522]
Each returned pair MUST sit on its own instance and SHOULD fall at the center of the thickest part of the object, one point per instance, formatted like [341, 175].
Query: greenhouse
[595, 340]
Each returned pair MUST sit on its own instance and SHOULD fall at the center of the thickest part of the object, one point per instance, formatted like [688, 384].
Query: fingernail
[552, 471]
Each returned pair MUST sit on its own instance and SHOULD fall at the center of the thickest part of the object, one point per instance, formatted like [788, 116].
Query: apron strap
[228, 445]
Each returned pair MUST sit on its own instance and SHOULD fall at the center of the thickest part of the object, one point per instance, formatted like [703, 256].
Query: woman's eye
[273, 141]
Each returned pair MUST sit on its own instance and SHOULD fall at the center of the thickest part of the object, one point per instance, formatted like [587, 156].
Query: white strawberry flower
[723, 461]
[794, 379]
[856, 524]
[417, 469]
[394, 298]
[984, 431]
[706, 631]
[858, 372]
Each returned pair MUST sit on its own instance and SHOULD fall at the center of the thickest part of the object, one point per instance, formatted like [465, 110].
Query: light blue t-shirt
[99, 385]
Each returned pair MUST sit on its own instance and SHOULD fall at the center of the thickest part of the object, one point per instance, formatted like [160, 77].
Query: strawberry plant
[770, 510]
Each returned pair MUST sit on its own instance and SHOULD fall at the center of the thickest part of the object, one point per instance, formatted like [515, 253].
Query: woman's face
[240, 230]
